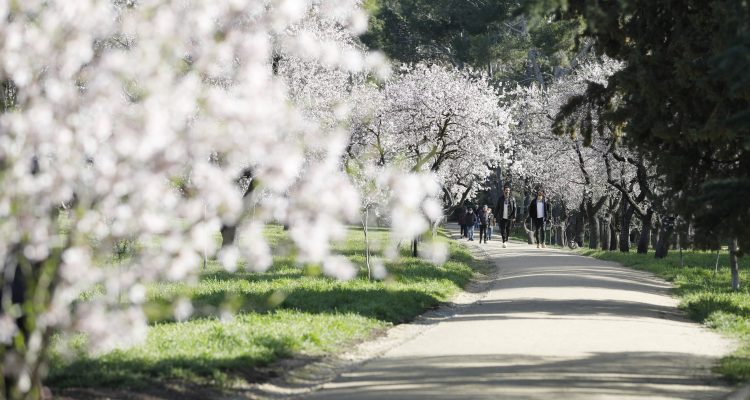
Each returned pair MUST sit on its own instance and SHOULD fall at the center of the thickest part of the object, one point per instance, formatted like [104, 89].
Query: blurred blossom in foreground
[138, 127]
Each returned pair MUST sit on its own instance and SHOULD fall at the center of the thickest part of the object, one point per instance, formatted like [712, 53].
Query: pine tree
[683, 100]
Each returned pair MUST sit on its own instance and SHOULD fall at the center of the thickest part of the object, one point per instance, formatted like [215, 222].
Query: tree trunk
[716, 265]
[665, 237]
[522, 215]
[578, 232]
[533, 54]
[612, 234]
[654, 236]
[683, 234]
[529, 232]
[435, 225]
[626, 218]
[570, 230]
[645, 232]
[367, 243]
[559, 235]
[605, 228]
[415, 244]
[593, 232]
[23, 279]
[734, 265]
[551, 236]
[228, 233]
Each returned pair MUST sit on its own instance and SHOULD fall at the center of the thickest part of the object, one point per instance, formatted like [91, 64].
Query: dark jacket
[511, 207]
[471, 219]
[461, 215]
[547, 209]
[482, 217]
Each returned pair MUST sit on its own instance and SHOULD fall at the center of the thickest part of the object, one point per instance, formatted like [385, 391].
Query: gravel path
[550, 325]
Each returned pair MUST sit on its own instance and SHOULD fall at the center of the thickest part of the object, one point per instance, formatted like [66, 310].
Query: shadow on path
[553, 325]
[517, 376]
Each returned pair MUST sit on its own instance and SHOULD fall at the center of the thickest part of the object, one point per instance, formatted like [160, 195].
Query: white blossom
[129, 126]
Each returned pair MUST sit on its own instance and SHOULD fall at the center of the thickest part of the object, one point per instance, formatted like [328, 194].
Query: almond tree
[135, 121]
[442, 120]
[571, 169]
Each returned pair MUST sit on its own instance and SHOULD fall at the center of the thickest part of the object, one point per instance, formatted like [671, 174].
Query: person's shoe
[537, 245]
[544, 246]
[504, 246]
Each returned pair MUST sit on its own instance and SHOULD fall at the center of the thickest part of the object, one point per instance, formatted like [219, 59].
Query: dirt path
[552, 325]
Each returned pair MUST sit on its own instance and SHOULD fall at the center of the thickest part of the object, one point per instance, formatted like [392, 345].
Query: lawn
[245, 321]
[705, 295]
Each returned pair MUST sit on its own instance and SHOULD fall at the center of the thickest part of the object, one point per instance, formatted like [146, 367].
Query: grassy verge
[706, 296]
[284, 312]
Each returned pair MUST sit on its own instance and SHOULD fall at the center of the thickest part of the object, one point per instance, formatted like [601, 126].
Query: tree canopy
[682, 100]
[485, 34]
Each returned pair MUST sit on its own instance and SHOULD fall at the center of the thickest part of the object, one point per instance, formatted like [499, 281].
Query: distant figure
[539, 212]
[483, 213]
[490, 223]
[506, 213]
[471, 220]
[462, 220]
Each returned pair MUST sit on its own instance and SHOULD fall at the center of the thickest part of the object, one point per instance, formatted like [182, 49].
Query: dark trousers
[482, 233]
[505, 229]
[463, 230]
[538, 229]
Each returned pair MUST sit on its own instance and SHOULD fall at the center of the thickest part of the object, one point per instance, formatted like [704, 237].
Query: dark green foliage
[488, 35]
[683, 100]
[8, 94]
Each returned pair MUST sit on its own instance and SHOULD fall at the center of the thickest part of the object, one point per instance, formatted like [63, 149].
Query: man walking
[539, 212]
[462, 220]
[506, 213]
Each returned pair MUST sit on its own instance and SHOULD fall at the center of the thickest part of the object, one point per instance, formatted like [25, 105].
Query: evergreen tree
[491, 35]
[683, 100]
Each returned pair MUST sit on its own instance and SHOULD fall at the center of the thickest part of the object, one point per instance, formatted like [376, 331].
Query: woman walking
[483, 214]
[490, 223]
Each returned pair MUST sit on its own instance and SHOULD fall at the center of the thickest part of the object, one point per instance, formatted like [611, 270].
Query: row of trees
[490, 35]
[162, 122]
[598, 185]
[166, 121]
[667, 129]
[679, 104]
[138, 122]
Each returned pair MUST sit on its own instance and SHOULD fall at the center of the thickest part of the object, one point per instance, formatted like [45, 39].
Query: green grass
[284, 312]
[707, 297]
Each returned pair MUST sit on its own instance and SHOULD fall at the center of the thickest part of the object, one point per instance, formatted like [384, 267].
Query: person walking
[539, 212]
[506, 213]
[462, 220]
[471, 220]
[483, 224]
[490, 223]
